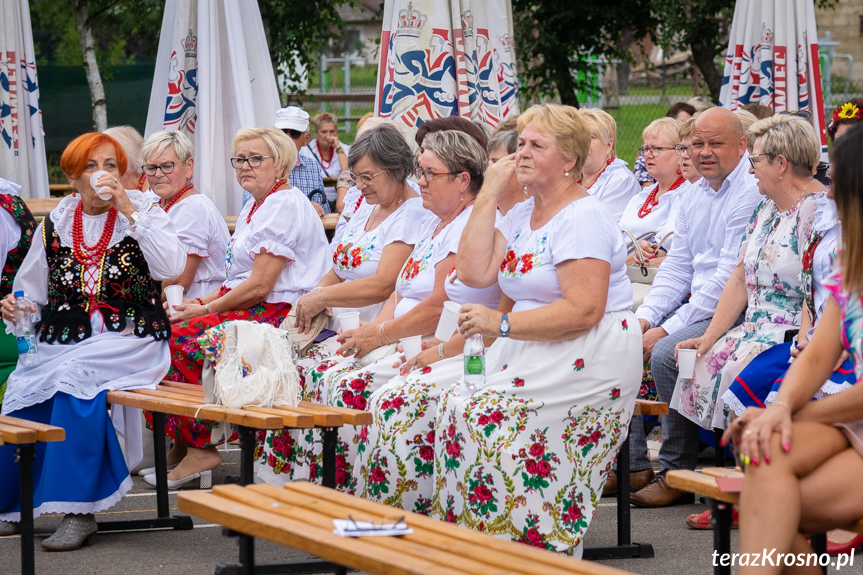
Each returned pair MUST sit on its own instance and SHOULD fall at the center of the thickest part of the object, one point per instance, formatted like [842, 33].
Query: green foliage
[299, 31]
[555, 39]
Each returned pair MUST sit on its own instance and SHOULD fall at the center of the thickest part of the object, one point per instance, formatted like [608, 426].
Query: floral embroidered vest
[128, 298]
[18, 210]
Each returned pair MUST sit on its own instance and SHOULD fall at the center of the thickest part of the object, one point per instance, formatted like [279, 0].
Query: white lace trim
[79, 507]
[733, 403]
[825, 214]
[64, 214]
[829, 388]
[7, 187]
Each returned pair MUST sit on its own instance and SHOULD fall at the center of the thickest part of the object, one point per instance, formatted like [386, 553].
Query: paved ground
[679, 550]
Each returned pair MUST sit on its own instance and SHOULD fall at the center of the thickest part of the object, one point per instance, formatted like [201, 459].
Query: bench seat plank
[17, 435]
[694, 482]
[350, 552]
[44, 432]
[647, 407]
[351, 416]
[371, 508]
[190, 409]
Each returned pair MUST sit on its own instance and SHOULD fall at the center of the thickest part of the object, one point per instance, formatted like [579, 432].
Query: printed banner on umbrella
[22, 142]
[772, 59]
[444, 59]
[213, 76]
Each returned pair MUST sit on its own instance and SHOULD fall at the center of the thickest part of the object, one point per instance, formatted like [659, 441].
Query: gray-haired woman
[450, 175]
[203, 232]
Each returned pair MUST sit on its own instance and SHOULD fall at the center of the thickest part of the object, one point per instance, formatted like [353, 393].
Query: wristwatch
[504, 326]
[134, 217]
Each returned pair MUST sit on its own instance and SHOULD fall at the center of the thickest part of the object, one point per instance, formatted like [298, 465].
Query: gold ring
[750, 432]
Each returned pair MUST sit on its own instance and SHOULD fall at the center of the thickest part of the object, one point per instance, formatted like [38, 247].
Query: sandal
[703, 520]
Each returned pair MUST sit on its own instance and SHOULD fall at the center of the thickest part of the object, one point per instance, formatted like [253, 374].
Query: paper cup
[174, 295]
[94, 178]
[412, 346]
[349, 320]
[686, 362]
[448, 321]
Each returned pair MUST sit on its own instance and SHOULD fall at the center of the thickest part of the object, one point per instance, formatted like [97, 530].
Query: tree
[701, 26]
[554, 41]
[298, 32]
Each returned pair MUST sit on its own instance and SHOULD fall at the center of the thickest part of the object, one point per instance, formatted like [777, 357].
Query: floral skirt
[297, 454]
[700, 399]
[397, 466]
[187, 363]
[525, 457]
[758, 384]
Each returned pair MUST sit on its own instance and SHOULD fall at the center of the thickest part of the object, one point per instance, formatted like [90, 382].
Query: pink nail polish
[722, 443]
[766, 460]
[755, 462]
[787, 447]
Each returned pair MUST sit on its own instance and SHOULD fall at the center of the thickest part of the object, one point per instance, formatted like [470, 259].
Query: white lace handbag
[255, 365]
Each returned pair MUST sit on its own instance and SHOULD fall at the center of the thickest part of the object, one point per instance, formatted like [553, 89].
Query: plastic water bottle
[474, 363]
[24, 332]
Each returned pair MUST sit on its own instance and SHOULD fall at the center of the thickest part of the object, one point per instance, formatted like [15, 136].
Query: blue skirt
[85, 473]
[758, 383]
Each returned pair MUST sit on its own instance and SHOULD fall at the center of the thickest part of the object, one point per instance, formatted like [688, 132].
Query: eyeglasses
[364, 178]
[254, 161]
[167, 168]
[654, 150]
[799, 113]
[429, 175]
[681, 150]
[752, 161]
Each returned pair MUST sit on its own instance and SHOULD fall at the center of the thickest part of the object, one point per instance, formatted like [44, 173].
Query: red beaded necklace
[325, 164]
[176, 198]
[607, 163]
[90, 255]
[141, 182]
[652, 199]
[359, 201]
[257, 205]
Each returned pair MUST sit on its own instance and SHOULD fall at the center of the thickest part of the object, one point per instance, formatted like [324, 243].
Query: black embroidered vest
[18, 210]
[128, 298]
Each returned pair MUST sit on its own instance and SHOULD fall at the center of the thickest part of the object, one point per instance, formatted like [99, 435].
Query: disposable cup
[448, 322]
[412, 346]
[349, 320]
[174, 295]
[686, 362]
[94, 178]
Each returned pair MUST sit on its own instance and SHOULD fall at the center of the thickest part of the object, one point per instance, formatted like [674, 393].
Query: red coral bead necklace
[257, 205]
[652, 200]
[176, 198]
[90, 255]
[608, 162]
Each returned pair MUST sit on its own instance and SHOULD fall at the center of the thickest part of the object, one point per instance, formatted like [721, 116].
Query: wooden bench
[625, 548]
[188, 400]
[25, 434]
[301, 516]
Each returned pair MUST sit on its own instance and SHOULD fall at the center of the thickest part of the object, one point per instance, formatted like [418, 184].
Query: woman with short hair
[525, 457]
[170, 165]
[604, 175]
[767, 284]
[132, 142]
[278, 253]
[330, 154]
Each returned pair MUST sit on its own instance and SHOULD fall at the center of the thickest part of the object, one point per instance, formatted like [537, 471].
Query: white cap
[292, 118]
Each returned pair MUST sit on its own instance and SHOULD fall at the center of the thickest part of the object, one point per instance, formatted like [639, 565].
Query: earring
[566, 174]
[679, 172]
[462, 198]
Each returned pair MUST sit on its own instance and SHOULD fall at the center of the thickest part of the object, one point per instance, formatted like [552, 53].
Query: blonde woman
[132, 142]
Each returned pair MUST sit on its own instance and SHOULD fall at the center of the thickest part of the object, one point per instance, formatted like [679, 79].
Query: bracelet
[207, 308]
[440, 350]
[381, 335]
[783, 404]
[339, 149]
[200, 301]
[384, 332]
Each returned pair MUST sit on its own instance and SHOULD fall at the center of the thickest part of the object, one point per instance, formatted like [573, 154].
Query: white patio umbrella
[446, 57]
[213, 77]
[22, 142]
[772, 59]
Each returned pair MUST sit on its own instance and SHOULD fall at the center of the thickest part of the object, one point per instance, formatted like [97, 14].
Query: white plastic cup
[448, 322]
[174, 295]
[94, 177]
[412, 346]
[686, 362]
[349, 320]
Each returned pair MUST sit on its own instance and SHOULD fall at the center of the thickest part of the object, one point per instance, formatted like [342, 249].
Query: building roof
[364, 11]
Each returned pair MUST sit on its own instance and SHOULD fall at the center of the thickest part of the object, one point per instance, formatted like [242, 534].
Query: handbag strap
[639, 253]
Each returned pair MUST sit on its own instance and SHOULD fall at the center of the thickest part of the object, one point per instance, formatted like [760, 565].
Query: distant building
[363, 26]
[845, 24]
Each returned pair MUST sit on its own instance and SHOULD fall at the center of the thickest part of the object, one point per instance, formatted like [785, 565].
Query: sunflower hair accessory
[846, 111]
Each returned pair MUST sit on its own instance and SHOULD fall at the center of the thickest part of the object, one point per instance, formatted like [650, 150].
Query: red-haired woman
[93, 274]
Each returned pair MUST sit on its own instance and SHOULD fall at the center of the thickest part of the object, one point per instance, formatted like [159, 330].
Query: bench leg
[247, 455]
[163, 519]
[625, 548]
[719, 457]
[331, 435]
[287, 568]
[721, 534]
[24, 455]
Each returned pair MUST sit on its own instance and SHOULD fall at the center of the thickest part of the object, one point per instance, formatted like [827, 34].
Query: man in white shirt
[708, 231]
